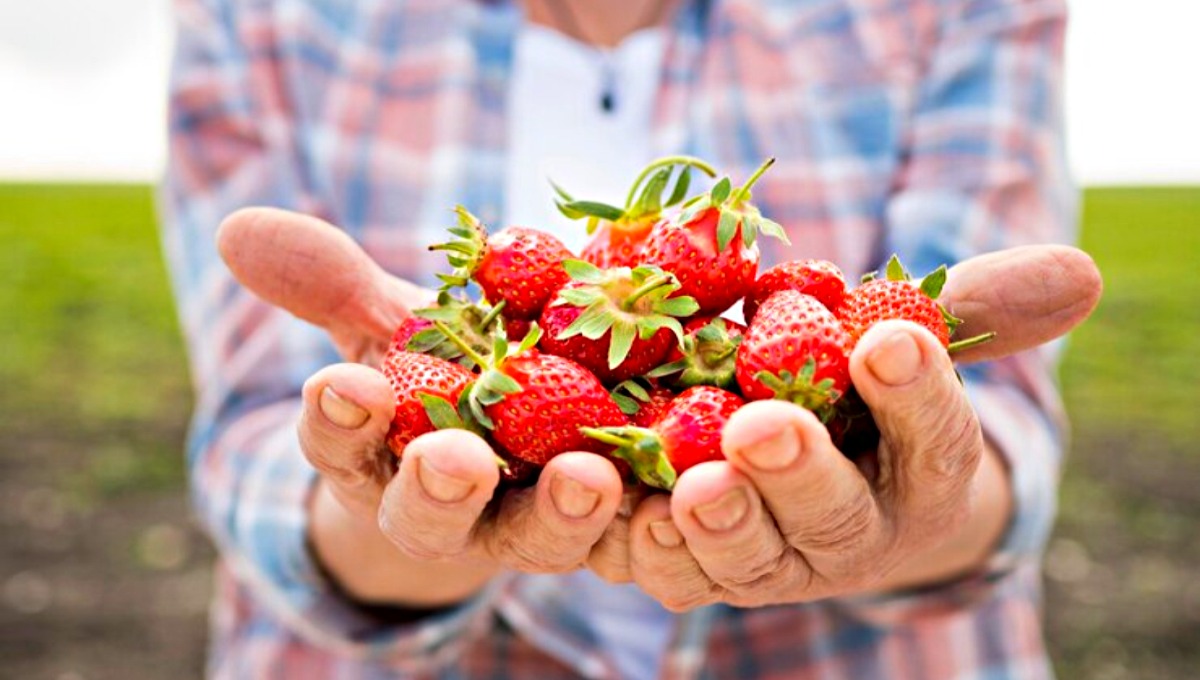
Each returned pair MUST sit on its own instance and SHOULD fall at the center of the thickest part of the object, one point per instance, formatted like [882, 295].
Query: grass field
[102, 573]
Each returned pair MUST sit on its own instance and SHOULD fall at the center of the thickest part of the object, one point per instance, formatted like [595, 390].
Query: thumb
[343, 427]
[318, 273]
[931, 438]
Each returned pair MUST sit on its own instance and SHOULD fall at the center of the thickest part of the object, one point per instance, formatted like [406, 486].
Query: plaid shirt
[930, 128]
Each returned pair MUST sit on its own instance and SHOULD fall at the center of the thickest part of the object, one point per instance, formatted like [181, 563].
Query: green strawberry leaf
[895, 270]
[621, 342]
[628, 405]
[720, 192]
[685, 305]
[595, 209]
[726, 228]
[441, 413]
[933, 283]
[582, 271]
[681, 187]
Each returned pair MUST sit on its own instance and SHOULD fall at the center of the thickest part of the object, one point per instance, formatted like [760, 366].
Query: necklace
[564, 14]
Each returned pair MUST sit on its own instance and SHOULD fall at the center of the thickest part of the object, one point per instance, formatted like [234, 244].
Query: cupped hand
[424, 531]
[788, 518]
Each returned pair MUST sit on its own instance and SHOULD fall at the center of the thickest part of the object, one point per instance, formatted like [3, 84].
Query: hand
[421, 533]
[788, 518]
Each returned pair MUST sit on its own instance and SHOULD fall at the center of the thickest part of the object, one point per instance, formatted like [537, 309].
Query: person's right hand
[422, 533]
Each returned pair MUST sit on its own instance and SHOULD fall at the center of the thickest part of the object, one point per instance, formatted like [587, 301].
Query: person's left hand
[788, 518]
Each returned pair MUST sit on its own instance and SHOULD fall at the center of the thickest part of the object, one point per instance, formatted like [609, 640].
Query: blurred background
[102, 573]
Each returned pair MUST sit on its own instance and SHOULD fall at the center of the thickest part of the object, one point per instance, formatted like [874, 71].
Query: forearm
[971, 546]
[373, 571]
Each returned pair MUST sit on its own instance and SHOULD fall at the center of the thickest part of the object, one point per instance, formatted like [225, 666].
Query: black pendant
[608, 101]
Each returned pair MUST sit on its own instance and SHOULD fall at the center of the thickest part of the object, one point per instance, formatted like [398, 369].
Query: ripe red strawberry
[617, 323]
[618, 234]
[818, 278]
[643, 400]
[517, 266]
[407, 329]
[710, 246]
[415, 378]
[708, 355]
[534, 403]
[794, 350]
[687, 433]
[898, 297]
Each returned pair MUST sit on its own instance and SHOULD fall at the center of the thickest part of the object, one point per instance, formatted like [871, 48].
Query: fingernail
[441, 486]
[341, 411]
[572, 498]
[896, 360]
[665, 534]
[774, 452]
[725, 512]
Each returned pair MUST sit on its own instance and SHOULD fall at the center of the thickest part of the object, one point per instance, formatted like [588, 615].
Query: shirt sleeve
[233, 143]
[986, 170]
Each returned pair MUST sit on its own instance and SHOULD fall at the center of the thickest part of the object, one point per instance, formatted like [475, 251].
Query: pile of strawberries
[623, 350]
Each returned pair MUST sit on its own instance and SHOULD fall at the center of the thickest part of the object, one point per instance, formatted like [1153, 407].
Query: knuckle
[532, 556]
[959, 445]
[761, 571]
[842, 529]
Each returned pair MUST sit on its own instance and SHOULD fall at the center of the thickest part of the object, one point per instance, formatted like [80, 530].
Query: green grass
[95, 397]
[90, 354]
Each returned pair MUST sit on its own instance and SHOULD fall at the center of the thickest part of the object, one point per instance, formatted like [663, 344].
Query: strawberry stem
[690, 161]
[492, 314]
[603, 436]
[466, 349]
[652, 284]
[967, 343]
[744, 190]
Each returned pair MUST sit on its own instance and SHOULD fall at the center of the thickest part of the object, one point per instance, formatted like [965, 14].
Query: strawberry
[618, 234]
[818, 278]
[417, 381]
[643, 400]
[407, 330]
[533, 403]
[710, 246]
[618, 323]
[687, 433]
[897, 296]
[795, 350]
[708, 355]
[518, 267]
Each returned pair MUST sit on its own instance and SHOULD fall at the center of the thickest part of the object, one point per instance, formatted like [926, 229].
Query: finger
[431, 507]
[660, 562]
[931, 439]
[731, 535]
[609, 558]
[346, 414]
[1047, 290]
[820, 501]
[553, 526]
[317, 272]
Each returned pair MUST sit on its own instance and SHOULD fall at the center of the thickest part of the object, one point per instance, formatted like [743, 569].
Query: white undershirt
[557, 129]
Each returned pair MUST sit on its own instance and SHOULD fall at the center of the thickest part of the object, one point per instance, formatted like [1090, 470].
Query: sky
[82, 90]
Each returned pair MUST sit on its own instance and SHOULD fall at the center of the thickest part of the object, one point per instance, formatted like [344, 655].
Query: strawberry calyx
[800, 388]
[642, 448]
[641, 206]
[735, 212]
[709, 358]
[465, 251]
[492, 384]
[624, 302]
[630, 395]
[472, 322]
